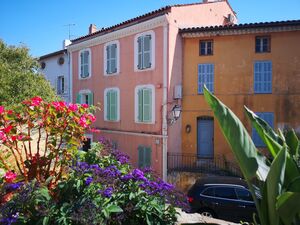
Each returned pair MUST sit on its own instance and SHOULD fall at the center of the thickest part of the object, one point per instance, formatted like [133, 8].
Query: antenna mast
[69, 25]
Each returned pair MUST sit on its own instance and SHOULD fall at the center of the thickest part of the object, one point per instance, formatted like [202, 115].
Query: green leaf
[274, 182]
[114, 209]
[251, 162]
[294, 186]
[266, 133]
[293, 142]
[291, 171]
[45, 220]
[288, 206]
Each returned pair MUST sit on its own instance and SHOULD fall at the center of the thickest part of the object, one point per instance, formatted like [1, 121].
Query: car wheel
[207, 213]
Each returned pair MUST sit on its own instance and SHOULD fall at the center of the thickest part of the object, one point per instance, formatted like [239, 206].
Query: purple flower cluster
[121, 156]
[107, 193]
[10, 220]
[88, 181]
[12, 186]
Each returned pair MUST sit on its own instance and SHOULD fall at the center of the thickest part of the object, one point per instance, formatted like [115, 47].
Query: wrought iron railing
[187, 162]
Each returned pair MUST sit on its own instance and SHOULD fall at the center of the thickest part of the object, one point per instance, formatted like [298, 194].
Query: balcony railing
[218, 165]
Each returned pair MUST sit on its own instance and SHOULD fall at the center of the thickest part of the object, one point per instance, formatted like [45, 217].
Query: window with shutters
[262, 44]
[206, 47]
[205, 77]
[111, 58]
[85, 97]
[112, 104]
[84, 64]
[61, 85]
[269, 118]
[144, 56]
[144, 104]
[144, 156]
[262, 77]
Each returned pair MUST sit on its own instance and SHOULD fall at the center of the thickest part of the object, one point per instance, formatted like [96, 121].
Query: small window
[85, 63]
[208, 192]
[225, 192]
[144, 154]
[205, 76]
[61, 85]
[144, 51]
[206, 47]
[85, 97]
[269, 118]
[111, 58]
[244, 194]
[145, 104]
[111, 104]
[262, 44]
[262, 77]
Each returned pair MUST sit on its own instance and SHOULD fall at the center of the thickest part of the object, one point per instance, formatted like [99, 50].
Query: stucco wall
[233, 60]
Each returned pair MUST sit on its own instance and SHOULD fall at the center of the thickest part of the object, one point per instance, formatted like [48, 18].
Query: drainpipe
[70, 77]
[165, 101]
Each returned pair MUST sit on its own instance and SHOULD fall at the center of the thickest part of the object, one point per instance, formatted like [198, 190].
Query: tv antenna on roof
[70, 25]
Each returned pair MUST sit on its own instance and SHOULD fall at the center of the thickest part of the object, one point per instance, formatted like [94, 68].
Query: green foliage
[279, 178]
[19, 78]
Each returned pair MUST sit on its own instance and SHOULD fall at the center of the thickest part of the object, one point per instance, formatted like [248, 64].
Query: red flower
[35, 101]
[85, 106]
[82, 122]
[1, 109]
[10, 176]
[13, 137]
[73, 107]
[91, 117]
[7, 129]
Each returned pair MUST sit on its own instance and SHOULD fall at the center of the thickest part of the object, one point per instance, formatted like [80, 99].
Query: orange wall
[233, 83]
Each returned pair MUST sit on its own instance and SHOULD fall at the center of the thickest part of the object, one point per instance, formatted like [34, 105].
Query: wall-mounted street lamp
[175, 114]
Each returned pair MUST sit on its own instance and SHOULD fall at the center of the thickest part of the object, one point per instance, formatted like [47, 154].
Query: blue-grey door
[205, 137]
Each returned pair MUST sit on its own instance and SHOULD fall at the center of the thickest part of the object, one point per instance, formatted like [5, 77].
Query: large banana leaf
[274, 182]
[266, 133]
[288, 207]
[251, 162]
[293, 143]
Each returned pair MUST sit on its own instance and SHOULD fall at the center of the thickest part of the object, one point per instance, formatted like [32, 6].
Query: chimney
[66, 43]
[92, 28]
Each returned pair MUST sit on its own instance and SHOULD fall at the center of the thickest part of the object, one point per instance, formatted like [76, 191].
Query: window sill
[143, 70]
[84, 78]
[111, 74]
[112, 121]
[146, 123]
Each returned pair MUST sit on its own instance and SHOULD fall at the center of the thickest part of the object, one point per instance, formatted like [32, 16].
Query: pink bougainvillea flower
[20, 137]
[62, 104]
[35, 101]
[85, 106]
[2, 136]
[91, 117]
[94, 130]
[82, 122]
[1, 109]
[9, 112]
[10, 176]
[73, 107]
[7, 129]
[56, 105]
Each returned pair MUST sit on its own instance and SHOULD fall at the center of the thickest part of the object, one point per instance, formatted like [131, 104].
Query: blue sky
[40, 25]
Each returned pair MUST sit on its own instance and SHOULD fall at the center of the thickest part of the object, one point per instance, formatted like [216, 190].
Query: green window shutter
[113, 103]
[114, 58]
[140, 52]
[140, 105]
[91, 99]
[78, 98]
[147, 51]
[81, 64]
[107, 59]
[147, 156]
[140, 156]
[147, 105]
[108, 105]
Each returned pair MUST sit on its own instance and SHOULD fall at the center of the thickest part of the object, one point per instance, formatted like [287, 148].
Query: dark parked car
[225, 198]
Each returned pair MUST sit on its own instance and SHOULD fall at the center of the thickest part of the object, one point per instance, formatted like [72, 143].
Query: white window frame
[84, 93]
[118, 103]
[152, 49]
[136, 103]
[59, 88]
[105, 58]
[90, 64]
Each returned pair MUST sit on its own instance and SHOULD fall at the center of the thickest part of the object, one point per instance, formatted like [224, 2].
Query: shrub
[107, 190]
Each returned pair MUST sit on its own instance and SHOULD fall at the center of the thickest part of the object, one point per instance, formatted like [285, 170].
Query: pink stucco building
[134, 70]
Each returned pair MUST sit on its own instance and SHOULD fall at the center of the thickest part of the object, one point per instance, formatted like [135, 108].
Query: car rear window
[208, 192]
[243, 194]
[225, 192]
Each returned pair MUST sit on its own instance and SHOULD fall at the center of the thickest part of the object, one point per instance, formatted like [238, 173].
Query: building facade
[256, 65]
[132, 69]
[56, 68]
